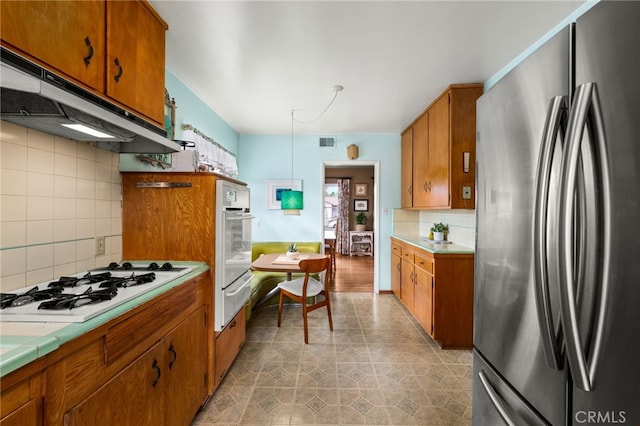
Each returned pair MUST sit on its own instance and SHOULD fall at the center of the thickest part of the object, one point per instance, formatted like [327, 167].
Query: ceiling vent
[327, 142]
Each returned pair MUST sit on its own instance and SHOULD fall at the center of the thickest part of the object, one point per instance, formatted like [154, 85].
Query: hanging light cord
[336, 89]
[292, 119]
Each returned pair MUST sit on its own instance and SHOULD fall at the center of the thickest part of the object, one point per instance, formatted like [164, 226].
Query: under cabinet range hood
[34, 97]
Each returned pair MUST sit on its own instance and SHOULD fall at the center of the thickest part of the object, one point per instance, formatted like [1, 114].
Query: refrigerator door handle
[495, 400]
[555, 125]
[585, 110]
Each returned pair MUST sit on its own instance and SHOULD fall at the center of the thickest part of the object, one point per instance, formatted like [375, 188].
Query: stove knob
[153, 266]
[126, 266]
[112, 266]
[167, 266]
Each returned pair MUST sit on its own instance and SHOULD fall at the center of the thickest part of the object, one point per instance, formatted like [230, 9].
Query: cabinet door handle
[410, 189]
[87, 59]
[425, 187]
[156, 367]
[175, 356]
[119, 73]
[233, 324]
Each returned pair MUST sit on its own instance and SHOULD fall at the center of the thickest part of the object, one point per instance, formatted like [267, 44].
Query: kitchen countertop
[437, 248]
[24, 342]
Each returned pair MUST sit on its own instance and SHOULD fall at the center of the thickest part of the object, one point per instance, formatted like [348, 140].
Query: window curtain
[342, 225]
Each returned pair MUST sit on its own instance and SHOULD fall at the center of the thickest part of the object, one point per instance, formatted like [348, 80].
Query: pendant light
[291, 201]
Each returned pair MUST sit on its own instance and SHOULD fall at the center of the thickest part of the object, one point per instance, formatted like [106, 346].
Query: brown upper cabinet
[112, 48]
[439, 150]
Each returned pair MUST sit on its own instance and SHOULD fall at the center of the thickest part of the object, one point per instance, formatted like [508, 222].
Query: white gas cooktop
[80, 311]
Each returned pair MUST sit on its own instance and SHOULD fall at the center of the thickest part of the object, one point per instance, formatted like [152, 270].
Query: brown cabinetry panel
[423, 299]
[136, 57]
[396, 267]
[185, 363]
[22, 403]
[228, 344]
[420, 162]
[438, 163]
[438, 290]
[114, 48]
[406, 177]
[66, 36]
[433, 149]
[134, 397]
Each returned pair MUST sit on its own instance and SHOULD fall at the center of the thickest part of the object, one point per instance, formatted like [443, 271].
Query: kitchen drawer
[123, 337]
[228, 344]
[396, 248]
[424, 262]
[408, 254]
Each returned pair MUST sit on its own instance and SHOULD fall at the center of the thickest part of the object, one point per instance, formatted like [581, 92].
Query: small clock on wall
[169, 115]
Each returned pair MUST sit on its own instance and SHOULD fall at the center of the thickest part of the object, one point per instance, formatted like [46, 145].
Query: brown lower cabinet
[145, 367]
[229, 341]
[437, 288]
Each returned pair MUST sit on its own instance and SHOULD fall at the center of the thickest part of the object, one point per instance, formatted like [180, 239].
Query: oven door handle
[241, 287]
[239, 216]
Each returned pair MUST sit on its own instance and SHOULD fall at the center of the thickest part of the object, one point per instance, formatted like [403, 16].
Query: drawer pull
[175, 356]
[119, 73]
[156, 367]
[87, 59]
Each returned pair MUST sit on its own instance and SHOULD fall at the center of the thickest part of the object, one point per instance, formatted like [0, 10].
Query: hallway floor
[378, 367]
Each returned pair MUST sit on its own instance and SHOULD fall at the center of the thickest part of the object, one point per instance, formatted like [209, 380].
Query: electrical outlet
[100, 246]
[466, 192]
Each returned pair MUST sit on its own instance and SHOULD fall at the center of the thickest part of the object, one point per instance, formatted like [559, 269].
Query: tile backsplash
[462, 224]
[56, 197]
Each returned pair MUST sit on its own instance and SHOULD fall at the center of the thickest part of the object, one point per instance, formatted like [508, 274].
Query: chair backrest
[312, 266]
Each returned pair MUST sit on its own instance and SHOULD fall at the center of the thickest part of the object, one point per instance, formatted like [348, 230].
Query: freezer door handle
[495, 400]
[586, 113]
[554, 128]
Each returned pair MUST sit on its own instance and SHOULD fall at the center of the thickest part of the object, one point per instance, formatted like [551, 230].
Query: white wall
[56, 196]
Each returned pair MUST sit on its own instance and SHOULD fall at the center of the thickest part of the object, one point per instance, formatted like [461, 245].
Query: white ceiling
[252, 62]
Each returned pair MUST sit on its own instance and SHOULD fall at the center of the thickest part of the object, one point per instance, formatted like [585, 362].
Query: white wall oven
[233, 251]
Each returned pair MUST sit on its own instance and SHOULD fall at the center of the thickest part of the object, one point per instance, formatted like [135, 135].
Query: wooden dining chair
[301, 288]
[330, 249]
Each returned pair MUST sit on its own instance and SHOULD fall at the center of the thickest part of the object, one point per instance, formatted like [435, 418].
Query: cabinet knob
[119, 73]
[87, 59]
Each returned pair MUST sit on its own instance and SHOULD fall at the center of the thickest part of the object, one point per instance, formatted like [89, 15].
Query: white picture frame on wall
[275, 189]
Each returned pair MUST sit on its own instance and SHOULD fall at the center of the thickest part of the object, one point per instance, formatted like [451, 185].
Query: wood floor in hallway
[353, 274]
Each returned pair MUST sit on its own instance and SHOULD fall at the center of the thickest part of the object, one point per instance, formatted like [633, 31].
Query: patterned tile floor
[377, 368]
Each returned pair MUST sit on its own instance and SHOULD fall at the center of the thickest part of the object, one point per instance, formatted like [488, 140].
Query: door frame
[376, 208]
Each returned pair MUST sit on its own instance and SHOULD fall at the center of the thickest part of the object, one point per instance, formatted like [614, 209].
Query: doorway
[358, 182]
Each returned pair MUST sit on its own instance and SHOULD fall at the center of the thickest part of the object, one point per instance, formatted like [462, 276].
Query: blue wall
[192, 110]
[269, 157]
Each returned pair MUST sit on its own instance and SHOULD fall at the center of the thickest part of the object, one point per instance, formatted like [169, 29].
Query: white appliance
[82, 296]
[233, 251]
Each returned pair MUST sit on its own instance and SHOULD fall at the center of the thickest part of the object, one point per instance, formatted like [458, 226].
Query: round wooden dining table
[276, 262]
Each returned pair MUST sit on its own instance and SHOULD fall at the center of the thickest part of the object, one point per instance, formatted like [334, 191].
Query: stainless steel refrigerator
[557, 279]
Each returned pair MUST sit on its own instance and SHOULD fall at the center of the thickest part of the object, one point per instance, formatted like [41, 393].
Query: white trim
[376, 209]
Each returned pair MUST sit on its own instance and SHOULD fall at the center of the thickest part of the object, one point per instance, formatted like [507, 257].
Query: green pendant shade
[291, 200]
